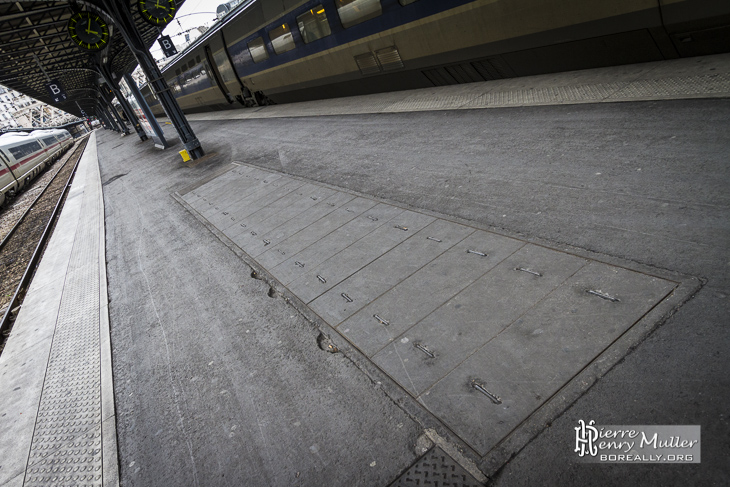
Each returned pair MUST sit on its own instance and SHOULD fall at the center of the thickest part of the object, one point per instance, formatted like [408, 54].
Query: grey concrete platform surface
[223, 339]
[482, 329]
[57, 420]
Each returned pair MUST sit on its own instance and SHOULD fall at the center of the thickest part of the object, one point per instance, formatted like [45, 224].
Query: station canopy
[35, 47]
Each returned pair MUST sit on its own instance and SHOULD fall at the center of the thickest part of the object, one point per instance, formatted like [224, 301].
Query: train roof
[14, 135]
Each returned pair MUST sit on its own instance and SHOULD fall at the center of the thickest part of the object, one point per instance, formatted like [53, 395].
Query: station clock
[157, 12]
[89, 31]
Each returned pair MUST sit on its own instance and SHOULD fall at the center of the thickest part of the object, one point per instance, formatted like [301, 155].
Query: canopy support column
[101, 113]
[125, 22]
[113, 111]
[114, 86]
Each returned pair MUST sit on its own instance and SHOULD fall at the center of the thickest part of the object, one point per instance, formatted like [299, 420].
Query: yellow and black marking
[89, 31]
[157, 12]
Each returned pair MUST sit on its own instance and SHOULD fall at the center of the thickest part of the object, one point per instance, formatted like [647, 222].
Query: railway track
[23, 246]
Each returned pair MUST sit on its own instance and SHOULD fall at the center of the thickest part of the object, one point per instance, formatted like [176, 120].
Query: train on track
[291, 50]
[23, 155]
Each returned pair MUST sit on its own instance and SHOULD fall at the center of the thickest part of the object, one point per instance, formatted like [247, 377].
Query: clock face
[157, 12]
[89, 31]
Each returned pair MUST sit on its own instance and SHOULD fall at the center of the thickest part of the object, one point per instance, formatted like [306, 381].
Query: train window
[406, 2]
[352, 12]
[258, 50]
[49, 140]
[23, 151]
[281, 39]
[313, 24]
[197, 59]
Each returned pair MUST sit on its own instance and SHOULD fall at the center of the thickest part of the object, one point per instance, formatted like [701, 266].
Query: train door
[8, 183]
[48, 151]
[246, 98]
[217, 75]
[28, 155]
[17, 168]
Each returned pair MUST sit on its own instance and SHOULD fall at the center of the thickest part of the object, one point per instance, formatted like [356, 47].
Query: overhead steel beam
[26, 13]
[110, 118]
[68, 55]
[44, 47]
[107, 98]
[26, 61]
[74, 90]
[34, 27]
[31, 39]
[102, 116]
[15, 52]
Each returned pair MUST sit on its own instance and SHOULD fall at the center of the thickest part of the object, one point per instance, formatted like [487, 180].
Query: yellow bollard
[185, 155]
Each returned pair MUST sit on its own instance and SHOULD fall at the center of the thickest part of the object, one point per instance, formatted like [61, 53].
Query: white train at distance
[24, 155]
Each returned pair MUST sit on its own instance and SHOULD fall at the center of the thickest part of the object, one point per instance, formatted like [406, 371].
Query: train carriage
[24, 155]
[278, 52]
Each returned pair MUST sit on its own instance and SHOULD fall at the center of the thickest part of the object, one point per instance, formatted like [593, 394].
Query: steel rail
[27, 210]
[4, 323]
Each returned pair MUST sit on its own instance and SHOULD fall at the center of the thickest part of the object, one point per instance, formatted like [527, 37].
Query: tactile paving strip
[436, 469]
[418, 103]
[553, 94]
[689, 85]
[482, 329]
[621, 90]
[67, 441]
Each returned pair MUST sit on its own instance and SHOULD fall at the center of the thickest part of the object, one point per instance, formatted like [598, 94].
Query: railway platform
[349, 292]
[699, 77]
[56, 397]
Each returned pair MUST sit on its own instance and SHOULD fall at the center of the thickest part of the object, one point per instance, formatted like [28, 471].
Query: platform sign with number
[168, 48]
[55, 89]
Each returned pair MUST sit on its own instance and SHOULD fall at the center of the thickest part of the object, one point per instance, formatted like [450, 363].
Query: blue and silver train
[291, 50]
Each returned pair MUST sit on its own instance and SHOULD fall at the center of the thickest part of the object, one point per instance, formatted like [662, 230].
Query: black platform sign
[168, 48]
[55, 89]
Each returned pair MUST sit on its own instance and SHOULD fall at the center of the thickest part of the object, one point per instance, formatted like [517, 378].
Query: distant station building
[10, 103]
[19, 110]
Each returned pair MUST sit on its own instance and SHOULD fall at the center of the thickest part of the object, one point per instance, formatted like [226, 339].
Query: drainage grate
[436, 468]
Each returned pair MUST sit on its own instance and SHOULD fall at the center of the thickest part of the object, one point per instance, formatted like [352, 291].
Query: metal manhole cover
[436, 469]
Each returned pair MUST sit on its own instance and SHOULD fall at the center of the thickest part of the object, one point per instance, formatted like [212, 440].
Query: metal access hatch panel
[482, 329]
